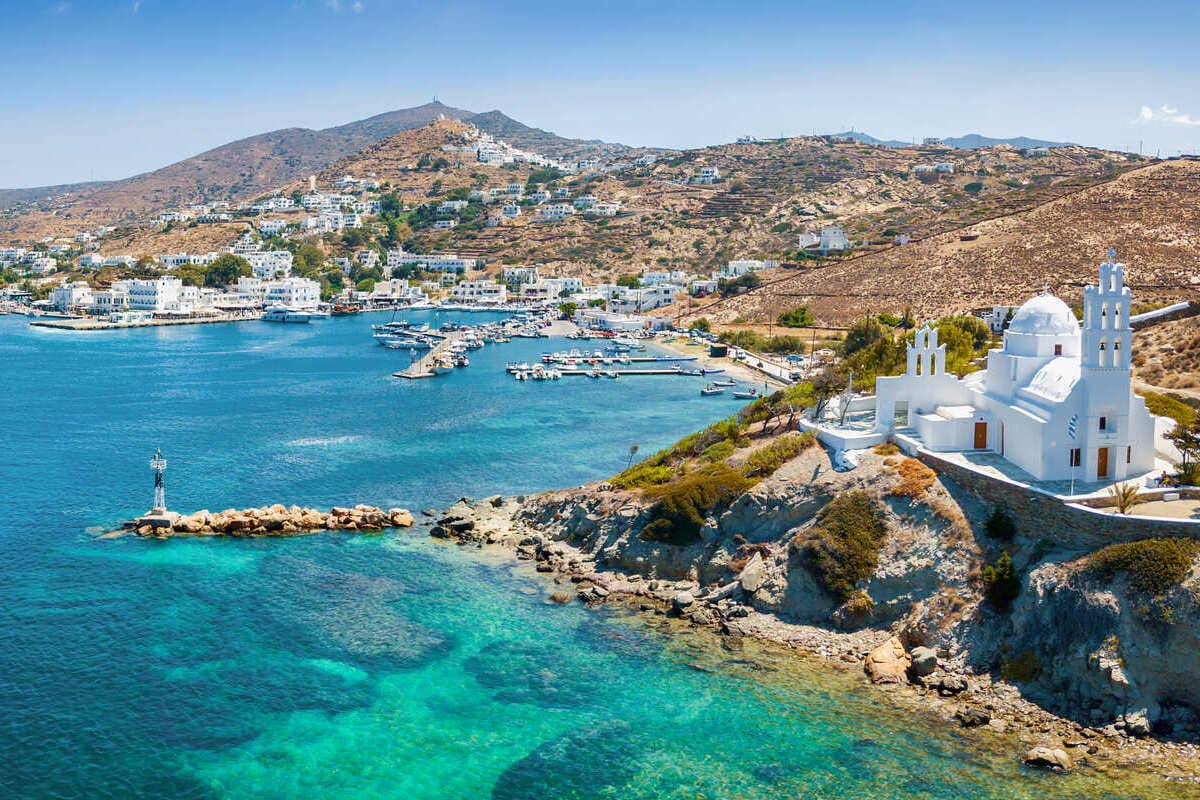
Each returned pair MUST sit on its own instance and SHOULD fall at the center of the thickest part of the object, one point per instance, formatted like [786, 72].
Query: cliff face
[1099, 652]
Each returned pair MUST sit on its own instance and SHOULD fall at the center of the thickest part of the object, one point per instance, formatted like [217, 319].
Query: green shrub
[1000, 525]
[767, 459]
[1000, 582]
[796, 318]
[718, 452]
[643, 474]
[682, 505]
[843, 548]
[1152, 566]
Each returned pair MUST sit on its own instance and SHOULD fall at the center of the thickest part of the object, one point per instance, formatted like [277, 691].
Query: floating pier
[423, 367]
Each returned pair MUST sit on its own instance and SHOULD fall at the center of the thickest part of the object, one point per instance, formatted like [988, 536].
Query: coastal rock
[952, 685]
[888, 663]
[753, 575]
[400, 518]
[972, 717]
[682, 601]
[924, 661]
[1049, 758]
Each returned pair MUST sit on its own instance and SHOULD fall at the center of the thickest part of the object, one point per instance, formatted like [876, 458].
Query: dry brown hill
[244, 169]
[1150, 215]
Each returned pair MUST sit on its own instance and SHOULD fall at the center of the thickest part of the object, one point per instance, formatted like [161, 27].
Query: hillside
[771, 191]
[243, 169]
[1149, 214]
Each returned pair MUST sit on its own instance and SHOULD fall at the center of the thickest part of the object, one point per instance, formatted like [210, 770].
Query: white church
[1055, 400]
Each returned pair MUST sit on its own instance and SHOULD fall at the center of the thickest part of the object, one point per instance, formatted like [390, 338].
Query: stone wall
[1068, 525]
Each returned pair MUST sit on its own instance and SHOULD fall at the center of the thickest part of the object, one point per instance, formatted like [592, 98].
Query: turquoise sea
[391, 666]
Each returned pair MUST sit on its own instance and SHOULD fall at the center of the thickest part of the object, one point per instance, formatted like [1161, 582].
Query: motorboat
[750, 394]
[285, 314]
[710, 389]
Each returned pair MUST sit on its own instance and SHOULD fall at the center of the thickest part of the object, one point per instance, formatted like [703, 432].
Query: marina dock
[565, 372]
[423, 367]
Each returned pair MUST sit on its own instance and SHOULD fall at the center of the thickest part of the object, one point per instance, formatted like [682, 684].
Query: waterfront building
[1055, 400]
[113, 300]
[294, 292]
[154, 294]
[69, 296]
[484, 292]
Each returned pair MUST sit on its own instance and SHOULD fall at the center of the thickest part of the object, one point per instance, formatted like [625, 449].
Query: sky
[104, 89]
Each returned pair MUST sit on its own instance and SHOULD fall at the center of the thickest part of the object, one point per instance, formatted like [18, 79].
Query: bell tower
[1105, 373]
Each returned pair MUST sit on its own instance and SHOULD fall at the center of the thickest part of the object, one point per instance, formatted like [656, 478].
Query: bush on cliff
[1152, 566]
[767, 459]
[681, 507]
[1000, 525]
[843, 548]
[1000, 582]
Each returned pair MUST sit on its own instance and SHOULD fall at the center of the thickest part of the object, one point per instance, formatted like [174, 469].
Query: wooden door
[1102, 463]
[980, 435]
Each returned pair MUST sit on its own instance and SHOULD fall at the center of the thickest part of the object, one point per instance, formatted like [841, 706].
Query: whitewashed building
[482, 292]
[68, 296]
[300, 293]
[1055, 400]
[833, 237]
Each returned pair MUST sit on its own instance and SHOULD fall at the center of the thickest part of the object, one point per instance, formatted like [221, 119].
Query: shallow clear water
[393, 666]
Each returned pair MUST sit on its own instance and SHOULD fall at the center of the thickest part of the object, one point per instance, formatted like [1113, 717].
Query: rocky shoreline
[274, 520]
[929, 680]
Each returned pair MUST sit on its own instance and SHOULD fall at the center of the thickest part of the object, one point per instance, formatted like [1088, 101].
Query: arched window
[1116, 356]
[1103, 353]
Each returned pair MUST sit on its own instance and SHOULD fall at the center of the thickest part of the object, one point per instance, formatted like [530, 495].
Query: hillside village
[448, 210]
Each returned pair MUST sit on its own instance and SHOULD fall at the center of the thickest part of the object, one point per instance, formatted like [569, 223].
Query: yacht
[285, 314]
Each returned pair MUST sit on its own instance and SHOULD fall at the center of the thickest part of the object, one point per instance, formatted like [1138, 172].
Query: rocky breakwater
[274, 520]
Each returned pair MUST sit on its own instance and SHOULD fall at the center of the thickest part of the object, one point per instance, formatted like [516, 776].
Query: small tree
[633, 449]
[1125, 495]
[629, 281]
[702, 325]
[567, 310]
[1000, 582]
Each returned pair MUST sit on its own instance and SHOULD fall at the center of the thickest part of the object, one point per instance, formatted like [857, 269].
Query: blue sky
[101, 90]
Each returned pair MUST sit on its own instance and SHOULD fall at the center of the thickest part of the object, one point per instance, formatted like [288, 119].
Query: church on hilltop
[1055, 400]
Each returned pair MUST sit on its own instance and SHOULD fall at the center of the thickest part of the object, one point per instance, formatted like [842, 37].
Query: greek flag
[1072, 425]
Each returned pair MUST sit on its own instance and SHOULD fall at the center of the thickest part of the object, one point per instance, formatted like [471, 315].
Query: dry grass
[915, 479]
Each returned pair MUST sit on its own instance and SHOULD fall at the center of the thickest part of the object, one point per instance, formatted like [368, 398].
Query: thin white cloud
[1166, 113]
[357, 6]
[135, 7]
[61, 7]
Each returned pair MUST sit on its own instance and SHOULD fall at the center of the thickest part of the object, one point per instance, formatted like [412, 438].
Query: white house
[112, 300]
[1054, 401]
[294, 292]
[707, 175]
[488, 292]
[91, 260]
[270, 263]
[272, 227]
[447, 262]
[553, 212]
[444, 224]
[451, 206]
[514, 275]
[154, 294]
[42, 265]
[510, 210]
[76, 294]
[833, 237]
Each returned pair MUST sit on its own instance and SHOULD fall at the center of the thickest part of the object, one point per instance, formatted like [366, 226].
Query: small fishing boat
[595, 373]
[711, 389]
[725, 382]
[751, 394]
[612, 373]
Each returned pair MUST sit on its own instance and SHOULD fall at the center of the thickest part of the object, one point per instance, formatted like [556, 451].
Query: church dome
[1044, 315]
